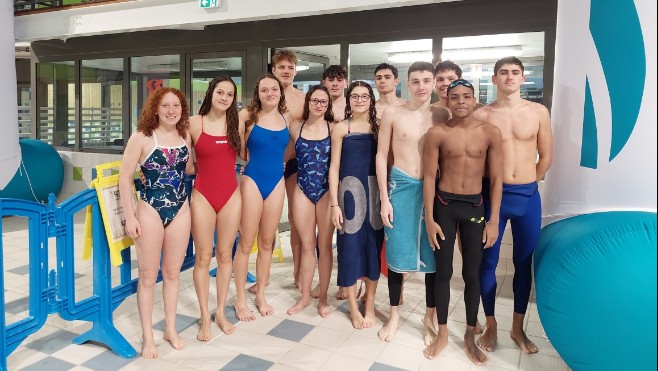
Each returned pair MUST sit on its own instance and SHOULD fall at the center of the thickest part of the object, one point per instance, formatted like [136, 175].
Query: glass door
[206, 66]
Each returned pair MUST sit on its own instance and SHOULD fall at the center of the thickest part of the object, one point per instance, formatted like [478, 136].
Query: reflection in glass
[101, 101]
[206, 69]
[148, 74]
[56, 102]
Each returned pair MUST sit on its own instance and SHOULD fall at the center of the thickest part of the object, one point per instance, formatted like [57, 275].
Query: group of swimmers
[350, 163]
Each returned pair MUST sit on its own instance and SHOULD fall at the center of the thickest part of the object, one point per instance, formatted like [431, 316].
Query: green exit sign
[207, 4]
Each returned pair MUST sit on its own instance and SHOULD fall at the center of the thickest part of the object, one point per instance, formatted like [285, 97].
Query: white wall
[140, 15]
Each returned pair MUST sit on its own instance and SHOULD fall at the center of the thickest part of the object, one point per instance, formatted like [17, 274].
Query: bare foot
[341, 294]
[252, 288]
[357, 319]
[370, 319]
[315, 293]
[204, 330]
[324, 310]
[174, 339]
[224, 324]
[488, 339]
[242, 313]
[434, 349]
[389, 329]
[299, 305]
[149, 350]
[520, 338]
[478, 328]
[472, 351]
[264, 308]
[429, 331]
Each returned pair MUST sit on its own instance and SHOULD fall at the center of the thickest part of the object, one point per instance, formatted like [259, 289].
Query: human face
[420, 85]
[441, 81]
[359, 99]
[318, 103]
[169, 110]
[285, 71]
[269, 92]
[336, 86]
[385, 82]
[223, 95]
[509, 78]
[461, 101]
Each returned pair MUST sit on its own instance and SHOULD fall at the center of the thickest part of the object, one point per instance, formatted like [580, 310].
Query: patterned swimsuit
[313, 165]
[164, 186]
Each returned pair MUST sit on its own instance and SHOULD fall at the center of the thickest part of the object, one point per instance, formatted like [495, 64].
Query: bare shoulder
[439, 114]
[339, 130]
[299, 94]
[539, 108]
[294, 128]
[195, 123]
[483, 112]
[332, 125]
[243, 115]
[490, 129]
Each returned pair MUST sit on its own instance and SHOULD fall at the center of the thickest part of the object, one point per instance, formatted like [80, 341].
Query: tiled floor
[280, 342]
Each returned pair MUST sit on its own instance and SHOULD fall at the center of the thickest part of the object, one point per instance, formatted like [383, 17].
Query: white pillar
[605, 136]
[10, 151]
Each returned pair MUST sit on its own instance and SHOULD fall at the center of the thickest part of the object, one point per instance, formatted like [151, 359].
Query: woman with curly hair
[354, 199]
[160, 224]
[266, 133]
[216, 203]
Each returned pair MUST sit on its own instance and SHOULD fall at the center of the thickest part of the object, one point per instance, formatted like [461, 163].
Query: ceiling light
[301, 68]
[481, 53]
[408, 57]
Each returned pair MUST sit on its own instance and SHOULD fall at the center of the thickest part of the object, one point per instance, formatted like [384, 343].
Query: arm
[189, 167]
[334, 169]
[381, 165]
[242, 119]
[430, 164]
[544, 143]
[495, 161]
[131, 156]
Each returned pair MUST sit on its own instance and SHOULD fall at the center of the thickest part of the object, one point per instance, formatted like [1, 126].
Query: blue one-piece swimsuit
[313, 158]
[266, 151]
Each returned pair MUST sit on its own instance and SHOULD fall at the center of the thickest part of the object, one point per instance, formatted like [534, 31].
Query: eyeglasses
[461, 82]
[320, 102]
[356, 98]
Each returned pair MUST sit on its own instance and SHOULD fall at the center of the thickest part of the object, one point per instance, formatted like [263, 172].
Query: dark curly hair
[372, 112]
[232, 122]
[148, 118]
[255, 106]
[329, 115]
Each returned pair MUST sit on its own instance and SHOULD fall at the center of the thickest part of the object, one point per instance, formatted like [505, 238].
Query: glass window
[148, 74]
[477, 55]
[364, 58]
[101, 101]
[206, 69]
[56, 103]
[24, 117]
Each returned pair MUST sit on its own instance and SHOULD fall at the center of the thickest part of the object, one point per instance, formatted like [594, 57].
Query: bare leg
[295, 241]
[148, 247]
[488, 339]
[176, 237]
[326, 258]
[437, 346]
[371, 289]
[391, 327]
[269, 221]
[355, 315]
[472, 351]
[519, 336]
[203, 228]
[252, 206]
[227, 225]
[305, 219]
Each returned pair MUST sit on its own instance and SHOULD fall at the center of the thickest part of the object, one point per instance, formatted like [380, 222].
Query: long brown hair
[329, 115]
[148, 118]
[372, 112]
[256, 106]
[232, 122]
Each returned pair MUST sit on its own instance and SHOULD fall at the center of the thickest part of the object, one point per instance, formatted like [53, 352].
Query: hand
[337, 217]
[490, 235]
[433, 229]
[133, 228]
[387, 214]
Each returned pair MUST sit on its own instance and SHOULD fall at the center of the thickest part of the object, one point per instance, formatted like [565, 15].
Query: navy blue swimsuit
[313, 158]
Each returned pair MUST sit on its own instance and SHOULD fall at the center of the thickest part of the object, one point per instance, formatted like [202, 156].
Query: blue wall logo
[615, 28]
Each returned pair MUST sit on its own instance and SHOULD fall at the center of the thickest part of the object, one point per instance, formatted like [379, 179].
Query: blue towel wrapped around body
[407, 246]
[359, 243]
